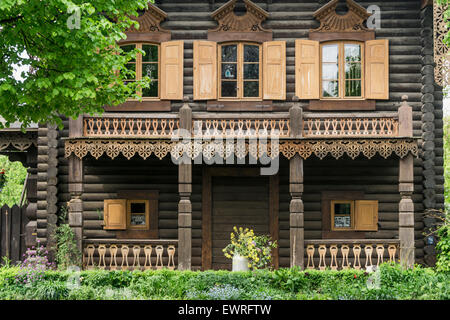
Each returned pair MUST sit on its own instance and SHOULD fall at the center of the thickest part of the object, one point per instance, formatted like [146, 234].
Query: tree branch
[10, 20]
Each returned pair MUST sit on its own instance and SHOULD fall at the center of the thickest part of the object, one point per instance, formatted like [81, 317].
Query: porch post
[75, 204]
[185, 190]
[297, 238]
[406, 188]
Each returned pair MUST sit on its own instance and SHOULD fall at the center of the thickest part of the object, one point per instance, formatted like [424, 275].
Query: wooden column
[297, 234]
[185, 206]
[406, 188]
[76, 185]
[31, 187]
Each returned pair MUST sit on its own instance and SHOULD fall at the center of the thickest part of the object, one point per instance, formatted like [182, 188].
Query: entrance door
[236, 197]
[241, 202]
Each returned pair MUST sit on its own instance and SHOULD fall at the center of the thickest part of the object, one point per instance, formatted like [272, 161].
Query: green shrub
[389, 282]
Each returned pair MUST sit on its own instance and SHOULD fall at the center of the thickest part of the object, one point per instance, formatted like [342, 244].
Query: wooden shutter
[172, 70]
[307, 69]
[274, 70]
[366, 215]
[115, 214]
[205, 70]
[377, 69]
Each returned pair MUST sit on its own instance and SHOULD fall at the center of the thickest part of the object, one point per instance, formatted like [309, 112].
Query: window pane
[330, 89]
[151, 53]
[229, 71]
[251, 71]
[251, 53]
[353, 71]
[128, 48]
[229, 89]
[131, 67]
[229, 53]
[152, 91]
[137, 207]
[330, 71]
[330, 53]
[353, 88]
[342, 222]
[251, 89]
[137, 219]
[342, 208]
[150, 70]
[352, 52]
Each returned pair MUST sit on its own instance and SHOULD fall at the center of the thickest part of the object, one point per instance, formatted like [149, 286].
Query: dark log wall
[401, 23]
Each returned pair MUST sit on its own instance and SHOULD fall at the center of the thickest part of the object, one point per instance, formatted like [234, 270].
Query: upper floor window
[342, 70]
[240, 71]
[146, 65]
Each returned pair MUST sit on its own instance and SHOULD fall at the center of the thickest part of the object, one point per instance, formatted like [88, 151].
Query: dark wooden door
[241, 202]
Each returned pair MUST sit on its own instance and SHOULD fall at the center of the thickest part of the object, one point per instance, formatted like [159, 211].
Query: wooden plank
[15, 233]
[206, 220]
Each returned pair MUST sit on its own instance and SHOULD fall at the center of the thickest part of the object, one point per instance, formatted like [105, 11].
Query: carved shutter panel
[377, 69]
[307, 69]
[115, 214]
[205, 70]
[172, 70]
[274, 68]
[366, 215]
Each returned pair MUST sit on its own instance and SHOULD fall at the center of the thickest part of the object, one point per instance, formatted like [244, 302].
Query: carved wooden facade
[383, 147]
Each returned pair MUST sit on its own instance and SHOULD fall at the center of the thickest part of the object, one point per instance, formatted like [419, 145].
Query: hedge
[389, 282]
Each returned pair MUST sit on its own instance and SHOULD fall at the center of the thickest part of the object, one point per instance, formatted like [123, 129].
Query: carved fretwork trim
[150, 20]
[441, 53]
[330, 21]
[229, 22]
[17, 140]
[321, 148]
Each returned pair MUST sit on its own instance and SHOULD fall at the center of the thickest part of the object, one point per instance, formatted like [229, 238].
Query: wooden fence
[12, 232]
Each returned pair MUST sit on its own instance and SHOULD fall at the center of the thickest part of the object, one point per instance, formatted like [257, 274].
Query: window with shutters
[239, 71]
[134, 215]
[145, 65]
[354, 215]
[342, 70]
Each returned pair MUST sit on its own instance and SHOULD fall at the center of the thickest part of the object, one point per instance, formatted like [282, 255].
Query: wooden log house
[357, 114]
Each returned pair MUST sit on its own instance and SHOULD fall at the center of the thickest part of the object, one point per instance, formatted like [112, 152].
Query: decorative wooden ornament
[330, 21]
[368, 250]
[310, 251]
[171, 254]
[392, 249]
[113, 253]
[345, 249]
[250, 22]
[124, 250]
[159, 252]
[357, 254]
[148, 257]
[90, 258]
[333, 252]
[322, 253]
[150, 20]
[101, 253]
[136, 256]
[380, 253]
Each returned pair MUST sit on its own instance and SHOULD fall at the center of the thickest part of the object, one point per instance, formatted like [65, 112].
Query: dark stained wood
[274, 207]
[332, 36]
[206, 220]
[214, 105]
[240, 36]
[157, 37]
[15, 233]
[334, 105]
[131, 106]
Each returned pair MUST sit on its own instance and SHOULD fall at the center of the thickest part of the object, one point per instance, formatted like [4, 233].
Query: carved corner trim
[330, 21]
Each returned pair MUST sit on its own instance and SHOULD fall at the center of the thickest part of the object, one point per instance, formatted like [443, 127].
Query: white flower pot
[240, 263]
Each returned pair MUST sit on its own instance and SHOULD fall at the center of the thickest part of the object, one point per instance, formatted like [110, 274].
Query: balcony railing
[118, 254]
[350, 125]
[346, 254]
[315, 125]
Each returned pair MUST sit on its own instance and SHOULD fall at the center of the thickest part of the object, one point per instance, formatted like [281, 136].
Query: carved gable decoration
[331, 21]
[150, 21]
[250, 22]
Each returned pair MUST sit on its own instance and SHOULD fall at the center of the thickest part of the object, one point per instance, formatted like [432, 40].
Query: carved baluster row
[350, 127]
[129, 127]
[127, 263]
[343, 262]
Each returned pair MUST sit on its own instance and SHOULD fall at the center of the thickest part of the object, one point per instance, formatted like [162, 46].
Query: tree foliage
[15, 175]
[71, 49]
